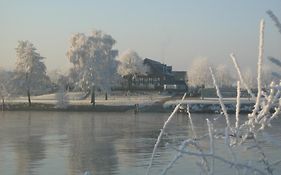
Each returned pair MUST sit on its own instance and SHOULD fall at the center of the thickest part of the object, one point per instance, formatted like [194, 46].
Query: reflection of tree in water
[29, 149]
[91, 148]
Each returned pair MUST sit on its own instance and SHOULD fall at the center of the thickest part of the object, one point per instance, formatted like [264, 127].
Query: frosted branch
[240, 75]
[274, 19]
[237, 106]
[191, 122]
[162, 132]
[178, 156]
[220, 99]
[259, 76]
[231, 163]
[212, 144]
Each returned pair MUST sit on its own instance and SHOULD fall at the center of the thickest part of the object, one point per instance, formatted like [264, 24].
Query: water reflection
[28, 147]
[91, 146]
[29, 151]
[101, 143]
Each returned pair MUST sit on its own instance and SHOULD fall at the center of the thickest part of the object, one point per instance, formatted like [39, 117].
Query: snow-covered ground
[113, 99]
[208, 101]
[211, 104]
[143, 100]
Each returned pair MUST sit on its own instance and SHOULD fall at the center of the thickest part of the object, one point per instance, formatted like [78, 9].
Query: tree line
[95, 65]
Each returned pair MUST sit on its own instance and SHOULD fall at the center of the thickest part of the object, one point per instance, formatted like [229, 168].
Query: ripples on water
[101, 143]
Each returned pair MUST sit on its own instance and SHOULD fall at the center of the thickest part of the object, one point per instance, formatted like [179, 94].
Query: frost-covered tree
[267, 76]
[249, 78]
[30, 72]
[5, 77]
[223, 75]
[130, 65]
[93, 59]
[198, 74]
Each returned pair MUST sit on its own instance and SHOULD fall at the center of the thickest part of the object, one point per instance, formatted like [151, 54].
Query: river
[72, 143]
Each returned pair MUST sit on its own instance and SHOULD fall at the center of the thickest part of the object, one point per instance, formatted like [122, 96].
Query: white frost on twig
[237, 106]
[238, 165]
[191, 122]
[253, 115]
[240, 75]
[212, 144]
[220, 99]
[161, 134]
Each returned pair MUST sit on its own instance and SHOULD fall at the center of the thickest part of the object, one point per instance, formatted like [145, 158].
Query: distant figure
[93, 96]
[136, 110]
[201, 92]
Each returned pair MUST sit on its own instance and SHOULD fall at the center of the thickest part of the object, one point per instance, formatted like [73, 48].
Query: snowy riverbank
[212, 105]
[146, 102]
[117, 102]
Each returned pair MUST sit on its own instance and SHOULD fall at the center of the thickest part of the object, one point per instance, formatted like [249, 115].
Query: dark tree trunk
[93, 96]
[28, 97]
[130, 82]
[106, 96]
[28, 89]
[3, 104]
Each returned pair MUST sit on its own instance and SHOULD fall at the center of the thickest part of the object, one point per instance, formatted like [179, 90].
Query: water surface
[64, 143]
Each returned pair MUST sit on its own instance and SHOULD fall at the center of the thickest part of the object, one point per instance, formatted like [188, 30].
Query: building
[159, 77]
[178, 83]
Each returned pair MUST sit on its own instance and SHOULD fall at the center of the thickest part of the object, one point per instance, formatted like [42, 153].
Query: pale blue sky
[170, 31]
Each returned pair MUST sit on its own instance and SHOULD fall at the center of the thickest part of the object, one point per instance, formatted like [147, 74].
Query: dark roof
[157, 67]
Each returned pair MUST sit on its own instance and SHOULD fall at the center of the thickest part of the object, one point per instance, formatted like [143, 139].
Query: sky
[173, 32]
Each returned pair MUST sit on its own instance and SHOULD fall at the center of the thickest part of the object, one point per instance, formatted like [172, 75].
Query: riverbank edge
[153, 108]
[69, 108]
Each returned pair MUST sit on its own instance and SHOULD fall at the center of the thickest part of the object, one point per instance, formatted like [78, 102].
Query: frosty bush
[236, 135]
[61, 95]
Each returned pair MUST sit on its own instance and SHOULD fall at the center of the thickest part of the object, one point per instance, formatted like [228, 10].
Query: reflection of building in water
[91, 147]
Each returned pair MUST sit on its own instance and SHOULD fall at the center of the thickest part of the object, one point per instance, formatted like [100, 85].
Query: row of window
[145, 80]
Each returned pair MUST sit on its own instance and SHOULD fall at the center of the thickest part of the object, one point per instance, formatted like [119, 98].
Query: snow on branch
[233, 57]
[231, 163]
[162, 132]
[274, 19]
[249, 131]
[220, 99]
[253, 115]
